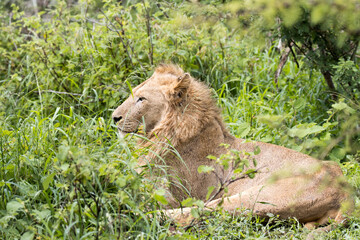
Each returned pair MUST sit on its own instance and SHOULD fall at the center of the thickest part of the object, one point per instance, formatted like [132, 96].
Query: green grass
[65, 174]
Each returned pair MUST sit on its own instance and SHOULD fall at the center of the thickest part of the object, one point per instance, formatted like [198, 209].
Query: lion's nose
[116, 119]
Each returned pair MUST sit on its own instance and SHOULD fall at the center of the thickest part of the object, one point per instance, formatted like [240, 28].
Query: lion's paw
[181, 216]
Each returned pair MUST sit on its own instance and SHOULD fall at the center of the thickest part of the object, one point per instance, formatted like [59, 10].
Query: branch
[52, 71]
[117, 31]
[226, 183]
[301, 50]
[290, 44]
[223, 185]
[283, 60]
[330, 83]
[162, 10]
[148, 26]
[335, 142]
[353, 55]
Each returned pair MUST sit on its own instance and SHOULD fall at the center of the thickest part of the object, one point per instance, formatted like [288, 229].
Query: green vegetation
[64, 173]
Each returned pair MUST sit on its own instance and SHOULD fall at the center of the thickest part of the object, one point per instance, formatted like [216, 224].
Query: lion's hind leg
[291, 197]
[339, 219]
[332, 214]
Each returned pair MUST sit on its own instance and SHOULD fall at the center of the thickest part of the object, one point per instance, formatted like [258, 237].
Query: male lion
[174, 107]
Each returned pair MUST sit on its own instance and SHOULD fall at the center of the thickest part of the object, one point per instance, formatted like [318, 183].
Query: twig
[353, 55]
[52, 71]
[121, 39]
[330, 83]
[336, 141]
[148, 27]
[290, 44]
[72, 94]
[301, 50]
[162, 10]
[223, 185]
[283, 60]
[221, 188]
[226, 183]
[66, 93]
[117, 19]
[128, 43]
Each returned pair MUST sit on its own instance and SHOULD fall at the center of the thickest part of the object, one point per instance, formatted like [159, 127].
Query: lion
[176, 110]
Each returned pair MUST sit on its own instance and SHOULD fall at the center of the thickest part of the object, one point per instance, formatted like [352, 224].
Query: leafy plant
[66, 65]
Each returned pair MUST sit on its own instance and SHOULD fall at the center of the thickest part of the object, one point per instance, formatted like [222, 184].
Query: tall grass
[64, 173]
[66, 176]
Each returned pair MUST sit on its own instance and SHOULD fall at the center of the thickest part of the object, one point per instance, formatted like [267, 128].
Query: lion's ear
[181, 88]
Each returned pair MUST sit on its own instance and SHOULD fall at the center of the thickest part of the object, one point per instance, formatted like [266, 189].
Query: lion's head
[169, 105]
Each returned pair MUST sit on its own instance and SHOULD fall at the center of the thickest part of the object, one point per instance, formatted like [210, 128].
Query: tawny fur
[178, 110]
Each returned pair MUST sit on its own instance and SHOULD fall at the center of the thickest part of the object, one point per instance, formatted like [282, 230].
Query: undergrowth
[65, 174]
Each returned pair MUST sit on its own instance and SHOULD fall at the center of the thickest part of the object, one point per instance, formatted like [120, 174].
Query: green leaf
[41, 215]
[205, 169]
[27, 236]
[13, 206]
[318, 13]
[195, 212]
[5, 220]
[254, 162]
[48, 180]
[211, 157]
[160, 196]
[273, 121]
[300, 103]
[337, 154]
[303, 130]
[121, 181]
[251, 173]
[187, 202]
[243, 129]
[343, 106]
[238, 170]
[291, 15]
[257, 150]
[339, 106]
[210, 190]
[199, 203]
[5, 132]
[63, 152]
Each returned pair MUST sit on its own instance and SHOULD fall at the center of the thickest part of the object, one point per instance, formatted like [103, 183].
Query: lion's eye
[140, 99]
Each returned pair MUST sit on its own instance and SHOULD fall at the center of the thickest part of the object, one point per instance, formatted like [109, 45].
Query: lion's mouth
[121, 130]
[124, 132]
